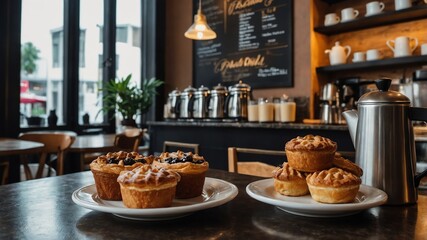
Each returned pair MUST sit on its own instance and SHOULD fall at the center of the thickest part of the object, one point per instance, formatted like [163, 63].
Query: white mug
[332, 19]
[402, 4]
[424, 47]
[358, 57]
[402, 46]
[348, 14]
[374, 7]
[373, 54]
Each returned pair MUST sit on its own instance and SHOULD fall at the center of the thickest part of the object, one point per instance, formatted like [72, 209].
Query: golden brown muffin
[147, 187]
[191, 167]
[289, 182]
[347, 165]
[310, 153]
[106, 169]
[333, 186]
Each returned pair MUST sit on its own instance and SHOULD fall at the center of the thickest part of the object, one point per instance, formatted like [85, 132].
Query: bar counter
[215, 137]
[43, 209]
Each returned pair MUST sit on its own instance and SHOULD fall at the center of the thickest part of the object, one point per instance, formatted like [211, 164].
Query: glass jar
[276, 103]
[253, 111]
[287, 110]
[265, 110]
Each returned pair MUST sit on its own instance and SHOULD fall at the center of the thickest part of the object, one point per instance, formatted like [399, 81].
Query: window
[90, 60]
[41, 60]
[122, 34]
[57, 40]
[60, 57]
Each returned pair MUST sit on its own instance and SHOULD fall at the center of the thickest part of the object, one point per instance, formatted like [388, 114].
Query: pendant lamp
[200, 29]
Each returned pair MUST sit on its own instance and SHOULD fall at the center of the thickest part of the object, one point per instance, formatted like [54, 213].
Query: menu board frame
[269, 66]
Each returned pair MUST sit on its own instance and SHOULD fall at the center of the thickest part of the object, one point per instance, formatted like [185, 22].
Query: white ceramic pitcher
[338, 54]
[402, 46]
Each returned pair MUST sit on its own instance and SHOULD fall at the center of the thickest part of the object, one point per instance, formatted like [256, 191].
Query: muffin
[106, 169]
[191, 167]
[347, 165]
[147, 187]
[310, 153]
[289, 182]
[333, 186]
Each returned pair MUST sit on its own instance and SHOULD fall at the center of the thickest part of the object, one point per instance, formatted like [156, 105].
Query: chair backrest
[254, 168]
[168, 145]
[129, 139]
[54, 143]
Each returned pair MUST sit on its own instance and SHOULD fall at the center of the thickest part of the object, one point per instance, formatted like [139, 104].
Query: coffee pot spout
[351, 116]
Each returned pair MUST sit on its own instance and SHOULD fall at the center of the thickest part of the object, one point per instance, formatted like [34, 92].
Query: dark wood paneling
[214, 141]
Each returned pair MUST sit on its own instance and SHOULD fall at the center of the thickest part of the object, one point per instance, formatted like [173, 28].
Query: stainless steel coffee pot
[186, 103]
[236, 104]
[216, 104]
[200, 102]
[173, 104]
[383, 136]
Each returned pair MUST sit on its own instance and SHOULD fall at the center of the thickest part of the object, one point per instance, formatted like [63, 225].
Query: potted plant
[126, 98]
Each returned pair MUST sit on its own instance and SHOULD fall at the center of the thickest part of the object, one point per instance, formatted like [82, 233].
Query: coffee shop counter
[215, 137]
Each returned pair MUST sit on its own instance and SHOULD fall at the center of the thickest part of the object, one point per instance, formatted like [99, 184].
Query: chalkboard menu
[253, 44]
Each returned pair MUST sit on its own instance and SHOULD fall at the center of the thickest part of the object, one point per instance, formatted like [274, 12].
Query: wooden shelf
[332, 1]
[391, 17]
[390, 62]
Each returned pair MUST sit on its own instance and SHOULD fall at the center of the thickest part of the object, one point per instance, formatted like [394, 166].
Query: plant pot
[128, 123]
[34, 121]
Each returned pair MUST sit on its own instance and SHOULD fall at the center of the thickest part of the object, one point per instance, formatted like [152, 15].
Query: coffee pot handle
[415, 45]
[227, 100]
[389, 44]
[348, 51]
[418, 177]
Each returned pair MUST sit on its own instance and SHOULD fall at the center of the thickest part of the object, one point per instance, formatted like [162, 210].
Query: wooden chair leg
[5, 174]
[60, 164]
[41, 165]
[27, 170]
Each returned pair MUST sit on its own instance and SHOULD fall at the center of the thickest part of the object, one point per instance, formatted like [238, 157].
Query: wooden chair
[128, 140]
[254, 168]
[54, 143]
[168, 145]
[5, 166]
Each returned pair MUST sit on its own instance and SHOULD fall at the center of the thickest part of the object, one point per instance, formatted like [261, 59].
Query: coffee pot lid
[219, 89]
[189, 91]
[241, 87]
[202, 90]
[175, 92]
[383, 95]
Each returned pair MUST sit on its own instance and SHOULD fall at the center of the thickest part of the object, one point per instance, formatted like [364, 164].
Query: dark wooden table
[43, 209]
[10, 146]
[93, 143]
[13, 148]
[100, 143]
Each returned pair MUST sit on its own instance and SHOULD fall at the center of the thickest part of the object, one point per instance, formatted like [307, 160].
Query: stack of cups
[287, 110]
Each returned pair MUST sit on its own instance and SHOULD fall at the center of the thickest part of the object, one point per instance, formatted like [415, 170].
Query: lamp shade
[200, 29]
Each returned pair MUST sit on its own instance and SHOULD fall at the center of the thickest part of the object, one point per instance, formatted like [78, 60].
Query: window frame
[152, 47]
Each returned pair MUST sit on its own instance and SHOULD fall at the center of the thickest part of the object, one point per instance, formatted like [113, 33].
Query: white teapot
[338, 54]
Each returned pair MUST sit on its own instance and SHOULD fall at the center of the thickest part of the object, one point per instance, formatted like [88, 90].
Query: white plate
[263, 190]
[215, 192]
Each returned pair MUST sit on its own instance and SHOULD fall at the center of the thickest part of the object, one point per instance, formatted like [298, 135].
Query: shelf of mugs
[383, 63]
[385, 18]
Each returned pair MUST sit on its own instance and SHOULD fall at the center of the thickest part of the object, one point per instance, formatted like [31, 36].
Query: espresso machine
[328, 104]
